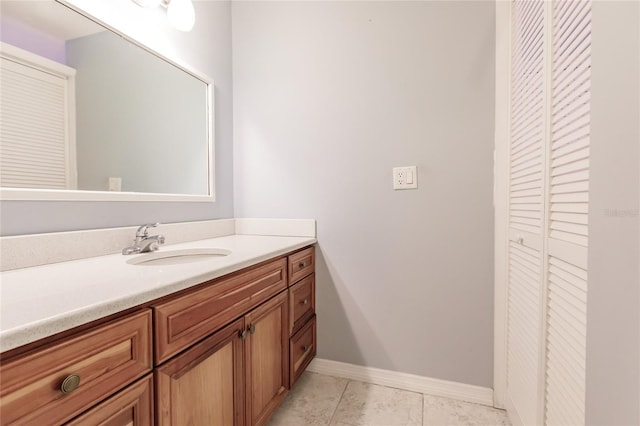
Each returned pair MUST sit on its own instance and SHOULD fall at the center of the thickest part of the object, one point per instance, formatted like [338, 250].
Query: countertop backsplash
[25, 251]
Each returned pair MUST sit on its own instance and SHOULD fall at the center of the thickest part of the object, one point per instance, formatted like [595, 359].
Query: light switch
[405, 177]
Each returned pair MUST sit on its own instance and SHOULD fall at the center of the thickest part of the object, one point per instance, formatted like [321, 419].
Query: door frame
[501, 199]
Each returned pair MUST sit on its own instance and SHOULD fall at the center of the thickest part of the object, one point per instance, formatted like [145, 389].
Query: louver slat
[527, 109]
[524, 327]
[568, 219]
[566, 344]
[526, 190]
[33, 128]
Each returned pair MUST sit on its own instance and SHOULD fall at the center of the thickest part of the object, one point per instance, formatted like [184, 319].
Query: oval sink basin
[177, 257]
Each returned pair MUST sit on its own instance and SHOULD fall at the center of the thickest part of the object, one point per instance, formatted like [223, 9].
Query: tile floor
[317, 399]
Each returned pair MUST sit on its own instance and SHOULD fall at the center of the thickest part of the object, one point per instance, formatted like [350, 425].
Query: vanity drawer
[187, 319]
[302, 349]
[301, 264]
[302, 302]
[132, 407]
[105, 359]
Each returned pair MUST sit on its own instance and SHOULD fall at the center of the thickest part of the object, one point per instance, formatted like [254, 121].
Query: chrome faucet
[143, 242]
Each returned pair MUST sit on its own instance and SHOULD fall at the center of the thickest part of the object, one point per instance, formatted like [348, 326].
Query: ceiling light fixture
[181, 14]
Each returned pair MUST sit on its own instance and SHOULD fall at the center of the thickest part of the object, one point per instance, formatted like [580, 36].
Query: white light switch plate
[405, 177]
[115, 184]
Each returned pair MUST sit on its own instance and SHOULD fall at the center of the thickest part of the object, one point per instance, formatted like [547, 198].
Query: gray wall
[328, 97]
[138, 118]
[208, 49]
[613, 313]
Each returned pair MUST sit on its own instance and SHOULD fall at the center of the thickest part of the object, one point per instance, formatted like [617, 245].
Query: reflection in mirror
[84, 108]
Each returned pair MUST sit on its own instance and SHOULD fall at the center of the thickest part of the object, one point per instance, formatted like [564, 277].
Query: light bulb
[181, 14]
[148, 3]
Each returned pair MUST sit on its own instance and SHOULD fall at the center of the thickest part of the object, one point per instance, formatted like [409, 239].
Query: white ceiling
[50, 17]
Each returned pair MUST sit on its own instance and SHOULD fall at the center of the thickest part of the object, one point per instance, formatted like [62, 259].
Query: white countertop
[40, 301]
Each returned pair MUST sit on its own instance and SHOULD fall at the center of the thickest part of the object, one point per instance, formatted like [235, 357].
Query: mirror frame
[31, 194]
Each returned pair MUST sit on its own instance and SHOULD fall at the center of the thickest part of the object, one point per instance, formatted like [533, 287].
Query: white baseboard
[410, 382]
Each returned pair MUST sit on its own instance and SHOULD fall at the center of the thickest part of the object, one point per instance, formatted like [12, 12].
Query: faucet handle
[143, 231]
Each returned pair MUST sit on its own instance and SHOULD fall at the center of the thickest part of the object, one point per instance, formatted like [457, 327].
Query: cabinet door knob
[305, 348]
[252, 328]
[302, 265]
[242, 334]
[305, 302]
[70, 384]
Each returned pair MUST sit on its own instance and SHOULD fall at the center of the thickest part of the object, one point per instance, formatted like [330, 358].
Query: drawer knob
[302, 264]
[242, 334]
[305, 302]
[70, 384]
[305, 348]
[252, 328]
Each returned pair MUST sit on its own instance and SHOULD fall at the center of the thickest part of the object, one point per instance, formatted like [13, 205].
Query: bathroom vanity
[223, 350]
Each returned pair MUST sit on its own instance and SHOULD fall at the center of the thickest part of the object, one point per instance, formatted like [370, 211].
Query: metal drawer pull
[70, 384]
[302, 265]
[252, 329]
[305, 302]
[305, 348]
[242, 334]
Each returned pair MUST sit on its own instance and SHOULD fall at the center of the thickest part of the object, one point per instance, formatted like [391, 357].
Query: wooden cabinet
[302, 316]
[185, 320]
[238, 375]
[131, 407]
[302, 349]
[226, 353]
[53, 384]
[302, 302]
[205, 385]
[267, 363]
[301, 264]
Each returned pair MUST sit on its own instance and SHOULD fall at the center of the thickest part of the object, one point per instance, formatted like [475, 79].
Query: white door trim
[501, 199]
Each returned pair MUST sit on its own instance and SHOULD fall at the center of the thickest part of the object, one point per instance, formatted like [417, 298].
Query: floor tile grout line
[339, 401]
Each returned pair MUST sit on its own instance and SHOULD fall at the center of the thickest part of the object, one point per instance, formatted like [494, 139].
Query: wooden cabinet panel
[302, 349]
[302, 302]
[105, 359]
[187, 319]
[301, 264]
[267, 364]
[132, 406]
[205, 385]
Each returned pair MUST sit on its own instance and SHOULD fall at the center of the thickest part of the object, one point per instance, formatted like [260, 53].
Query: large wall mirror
[88, 114]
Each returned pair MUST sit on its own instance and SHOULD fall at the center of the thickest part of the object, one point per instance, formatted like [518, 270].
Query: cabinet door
[131, 407]
[267, 363]
[204, 385]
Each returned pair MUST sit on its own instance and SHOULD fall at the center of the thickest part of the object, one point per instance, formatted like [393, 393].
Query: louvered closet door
[526, 206]
[568, 207]
[35, 149]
